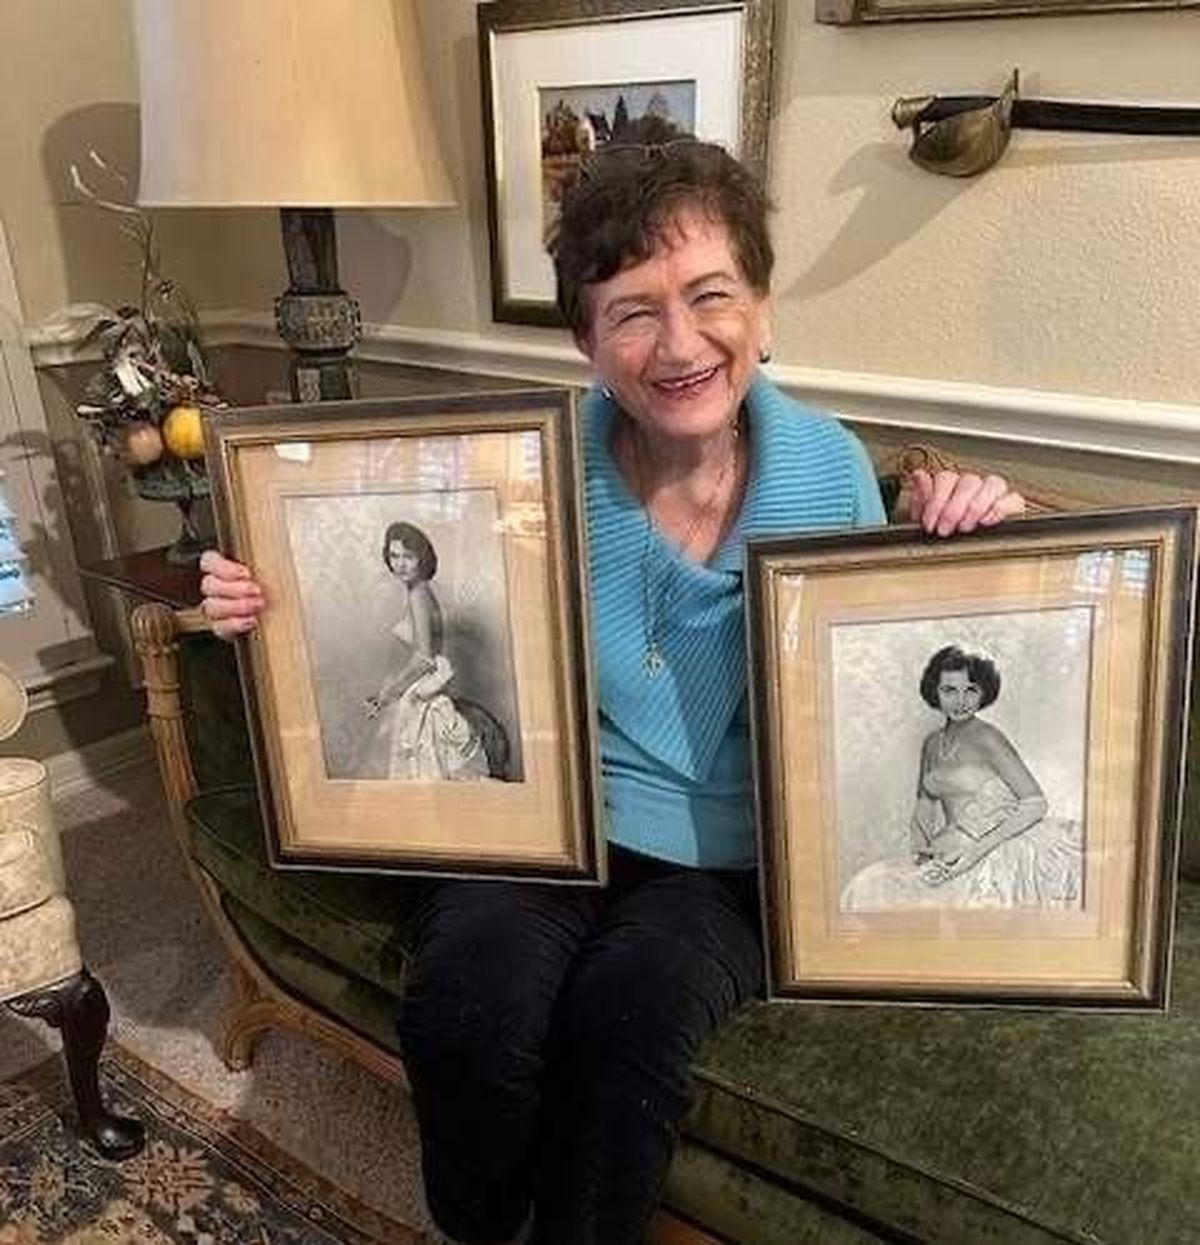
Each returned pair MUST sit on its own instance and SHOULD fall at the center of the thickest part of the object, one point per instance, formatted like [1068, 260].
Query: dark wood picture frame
[870, 12]
[583, 20]
[1087, 620]
[366, 768]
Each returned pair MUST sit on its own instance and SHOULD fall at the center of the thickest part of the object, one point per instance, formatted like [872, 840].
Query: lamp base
[321, 377]
[314, 315]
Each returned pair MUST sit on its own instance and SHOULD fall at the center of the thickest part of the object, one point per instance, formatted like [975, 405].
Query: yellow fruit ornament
[183, 431]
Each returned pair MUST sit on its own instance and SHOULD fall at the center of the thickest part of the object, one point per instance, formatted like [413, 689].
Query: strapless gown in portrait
[421, 735]
[1039, 868]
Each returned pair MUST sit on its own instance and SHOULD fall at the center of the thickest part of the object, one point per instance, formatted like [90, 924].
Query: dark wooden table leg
[78, 1007]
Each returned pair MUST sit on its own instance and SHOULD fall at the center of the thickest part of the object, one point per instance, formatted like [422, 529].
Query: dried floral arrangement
[146, 401]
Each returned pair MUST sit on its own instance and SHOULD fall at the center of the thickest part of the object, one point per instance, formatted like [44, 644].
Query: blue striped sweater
[675, 750]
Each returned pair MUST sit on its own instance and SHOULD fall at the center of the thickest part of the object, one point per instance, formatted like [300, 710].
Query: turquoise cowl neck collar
[681, 716]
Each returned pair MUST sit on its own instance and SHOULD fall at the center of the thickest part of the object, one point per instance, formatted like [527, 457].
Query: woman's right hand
[232, 598]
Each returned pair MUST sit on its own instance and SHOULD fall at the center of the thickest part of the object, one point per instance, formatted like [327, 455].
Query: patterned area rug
[204, 1178]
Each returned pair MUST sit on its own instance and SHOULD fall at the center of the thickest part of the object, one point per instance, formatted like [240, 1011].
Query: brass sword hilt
[962, 135]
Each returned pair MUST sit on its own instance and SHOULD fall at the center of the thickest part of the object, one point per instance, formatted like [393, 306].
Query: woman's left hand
[950, 502]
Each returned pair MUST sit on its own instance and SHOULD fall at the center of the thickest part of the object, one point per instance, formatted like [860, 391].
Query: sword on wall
[962, 135]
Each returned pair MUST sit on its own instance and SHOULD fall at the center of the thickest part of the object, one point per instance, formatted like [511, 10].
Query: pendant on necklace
[653, 661]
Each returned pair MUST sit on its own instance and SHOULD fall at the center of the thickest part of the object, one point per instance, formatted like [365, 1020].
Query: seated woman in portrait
[418, 731]
[979, 836]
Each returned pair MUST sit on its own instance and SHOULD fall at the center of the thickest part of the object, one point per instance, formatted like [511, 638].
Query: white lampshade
[285, 103]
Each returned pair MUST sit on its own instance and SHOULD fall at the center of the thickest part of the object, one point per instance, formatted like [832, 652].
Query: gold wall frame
[894, 863]
[419, 688]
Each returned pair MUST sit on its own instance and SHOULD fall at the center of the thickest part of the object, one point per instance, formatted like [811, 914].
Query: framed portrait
[969, 758]
[864, 12]
[564, 77]
[419, 688]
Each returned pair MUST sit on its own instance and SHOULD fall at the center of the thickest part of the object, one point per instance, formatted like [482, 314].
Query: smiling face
[677, 337]
[958, 697]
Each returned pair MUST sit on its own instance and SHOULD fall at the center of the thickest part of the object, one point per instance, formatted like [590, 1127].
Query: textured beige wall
[1072, 266]
[68, 83]
[1067, 267]
[60, 61]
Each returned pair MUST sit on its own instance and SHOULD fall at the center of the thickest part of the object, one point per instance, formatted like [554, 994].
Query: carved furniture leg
[79, 1008]
[244, 1022]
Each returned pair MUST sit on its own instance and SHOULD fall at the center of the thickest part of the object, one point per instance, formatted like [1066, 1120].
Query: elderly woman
[548, 1031]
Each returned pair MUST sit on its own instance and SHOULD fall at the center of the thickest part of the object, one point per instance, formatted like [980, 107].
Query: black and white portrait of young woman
[404, 600]
[960, 761]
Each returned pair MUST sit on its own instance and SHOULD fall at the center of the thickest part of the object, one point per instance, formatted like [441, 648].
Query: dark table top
[148, 576]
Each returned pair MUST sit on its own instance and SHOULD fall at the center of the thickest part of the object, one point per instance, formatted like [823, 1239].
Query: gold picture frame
[907, 859]
[869, 12]
[419, 688]
[703, 65]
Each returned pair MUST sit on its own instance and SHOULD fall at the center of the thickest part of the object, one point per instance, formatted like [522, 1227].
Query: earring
[607, 393]
[764, 355]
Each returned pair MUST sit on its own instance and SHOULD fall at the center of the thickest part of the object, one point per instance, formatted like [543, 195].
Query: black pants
[548, 1034]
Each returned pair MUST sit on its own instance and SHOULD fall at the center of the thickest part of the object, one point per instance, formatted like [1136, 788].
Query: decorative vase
[186, 484]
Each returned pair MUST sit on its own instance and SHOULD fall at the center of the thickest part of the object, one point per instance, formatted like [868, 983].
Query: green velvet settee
[824, 1124]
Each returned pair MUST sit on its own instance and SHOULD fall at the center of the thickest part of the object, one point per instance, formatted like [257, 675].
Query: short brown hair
[416, 542]
[980, 670]
[626, 197]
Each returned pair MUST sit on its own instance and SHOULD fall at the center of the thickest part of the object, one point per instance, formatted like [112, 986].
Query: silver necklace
[947, 747]
[657, 599]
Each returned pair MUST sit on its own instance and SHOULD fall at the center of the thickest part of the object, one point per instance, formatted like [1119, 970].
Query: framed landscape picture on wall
[969, 758]
[419, 688]
[562, 78]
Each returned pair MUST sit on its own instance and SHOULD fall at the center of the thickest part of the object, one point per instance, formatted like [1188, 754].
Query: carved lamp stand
[314, 315]
[41, 970]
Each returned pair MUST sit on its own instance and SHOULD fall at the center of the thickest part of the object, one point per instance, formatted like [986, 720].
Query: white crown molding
[1162, 431]
[1154, 430]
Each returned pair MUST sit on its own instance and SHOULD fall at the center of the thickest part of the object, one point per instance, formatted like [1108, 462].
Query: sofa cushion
[741, 1203]
[948, 1125]
[360, 921]
[974, 1125]
[306, 974]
